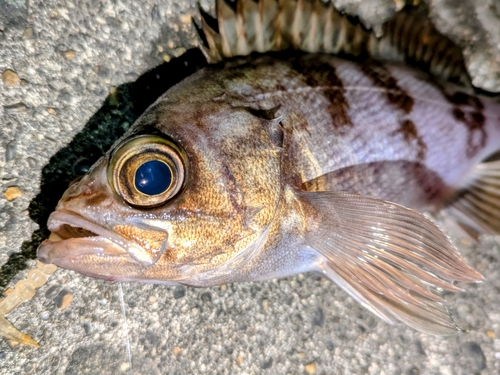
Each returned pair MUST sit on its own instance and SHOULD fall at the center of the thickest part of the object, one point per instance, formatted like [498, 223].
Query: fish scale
[333, 127]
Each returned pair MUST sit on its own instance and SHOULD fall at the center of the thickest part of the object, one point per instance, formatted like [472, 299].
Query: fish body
[284, 163]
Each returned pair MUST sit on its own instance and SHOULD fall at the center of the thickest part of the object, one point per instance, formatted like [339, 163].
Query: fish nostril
[86, 190]
[75, 190]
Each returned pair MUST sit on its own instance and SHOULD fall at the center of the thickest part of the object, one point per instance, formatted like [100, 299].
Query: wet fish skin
[270, 142]
[197, 225]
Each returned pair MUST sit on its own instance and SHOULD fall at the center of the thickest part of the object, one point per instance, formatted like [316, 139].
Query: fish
[307, 145]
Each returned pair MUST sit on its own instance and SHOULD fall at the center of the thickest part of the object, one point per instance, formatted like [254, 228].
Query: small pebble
[124, 366]
[299, 355]
[179, 51]
[65, 301]
[69, 55]
[491, 334]
[265, 304]
[28, 33]
[113, 96]
[179, 292]
[268, 363]
[31, 162]
[177, 351]
[185, 18]
[15, 108]
[475, 356]
[10, 78]
[10, 151]
[45, 315]
[310, 368]
[13, 192]
[152, 299]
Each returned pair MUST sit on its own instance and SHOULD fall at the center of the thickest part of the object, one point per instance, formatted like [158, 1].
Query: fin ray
[245, 26]
[478, 204]
[389, 258]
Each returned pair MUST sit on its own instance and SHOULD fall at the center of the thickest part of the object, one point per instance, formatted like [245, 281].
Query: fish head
[185, 192]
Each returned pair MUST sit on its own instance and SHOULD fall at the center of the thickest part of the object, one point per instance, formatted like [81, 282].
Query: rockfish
[319, 158]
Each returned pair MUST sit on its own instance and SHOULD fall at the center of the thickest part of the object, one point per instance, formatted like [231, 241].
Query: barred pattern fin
[478, 204]
[245, 26]
[411, 37]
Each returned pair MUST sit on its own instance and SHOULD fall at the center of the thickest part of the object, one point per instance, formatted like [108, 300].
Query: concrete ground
[74, 76]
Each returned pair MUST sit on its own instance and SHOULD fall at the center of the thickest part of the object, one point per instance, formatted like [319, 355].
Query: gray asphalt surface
[73, 78]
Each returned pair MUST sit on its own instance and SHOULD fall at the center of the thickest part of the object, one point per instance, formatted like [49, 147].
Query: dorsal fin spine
[247, 26]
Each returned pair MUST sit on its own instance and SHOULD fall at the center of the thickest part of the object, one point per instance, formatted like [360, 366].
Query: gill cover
[147, 171]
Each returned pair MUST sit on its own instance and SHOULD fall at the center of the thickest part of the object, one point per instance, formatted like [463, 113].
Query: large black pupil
[153, 177]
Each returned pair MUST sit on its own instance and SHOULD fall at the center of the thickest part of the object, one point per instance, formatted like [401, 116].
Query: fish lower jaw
[63, 251]
[73, 237]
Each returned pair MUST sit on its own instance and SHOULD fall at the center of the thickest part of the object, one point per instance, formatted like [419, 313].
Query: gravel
[74, 76]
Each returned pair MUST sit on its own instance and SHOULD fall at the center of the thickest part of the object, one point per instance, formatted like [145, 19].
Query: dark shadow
[120, 109]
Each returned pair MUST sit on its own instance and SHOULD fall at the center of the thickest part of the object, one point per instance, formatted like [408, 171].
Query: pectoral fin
[389, 258]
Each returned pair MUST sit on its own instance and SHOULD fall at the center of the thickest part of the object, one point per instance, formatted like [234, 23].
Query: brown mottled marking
[382, 78]
[96, 199]
[468, 109]
[461, 98]
[232, 187]
[410, 133]
[475, 125]
[318, 73]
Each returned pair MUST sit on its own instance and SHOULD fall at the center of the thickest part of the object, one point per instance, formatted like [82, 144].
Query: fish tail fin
[477, 206]
[391, 259]
[245, 26]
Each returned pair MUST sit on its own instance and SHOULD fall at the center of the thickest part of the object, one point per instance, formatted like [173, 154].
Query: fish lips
[74, 236]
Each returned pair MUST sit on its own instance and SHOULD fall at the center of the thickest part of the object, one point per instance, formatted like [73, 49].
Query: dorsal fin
[245, 26]
[411, 37]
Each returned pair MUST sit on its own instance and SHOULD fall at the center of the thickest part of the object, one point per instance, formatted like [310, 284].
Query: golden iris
[147, 170]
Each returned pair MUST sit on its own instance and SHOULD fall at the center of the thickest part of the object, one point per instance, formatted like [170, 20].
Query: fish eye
[147, 170]
[153, 177]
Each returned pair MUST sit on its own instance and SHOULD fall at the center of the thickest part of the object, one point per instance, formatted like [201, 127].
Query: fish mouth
[73, 236]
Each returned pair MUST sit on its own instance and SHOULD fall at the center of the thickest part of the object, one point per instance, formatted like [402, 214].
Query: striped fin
[411, 37]
[478, 205]
[245, 26]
